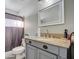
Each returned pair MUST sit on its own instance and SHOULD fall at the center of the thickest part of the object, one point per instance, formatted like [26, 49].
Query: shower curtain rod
[15, 15]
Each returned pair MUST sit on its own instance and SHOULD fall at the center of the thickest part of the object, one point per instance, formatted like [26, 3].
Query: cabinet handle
[45, 47]
[30, 42]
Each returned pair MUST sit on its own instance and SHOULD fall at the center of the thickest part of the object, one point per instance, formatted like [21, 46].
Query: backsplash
[52, 35]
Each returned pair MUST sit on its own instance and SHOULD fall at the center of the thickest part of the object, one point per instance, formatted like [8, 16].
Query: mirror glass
[52, 15]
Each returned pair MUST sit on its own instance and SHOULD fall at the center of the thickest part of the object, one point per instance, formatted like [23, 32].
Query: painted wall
[69, 20]
[31, 25]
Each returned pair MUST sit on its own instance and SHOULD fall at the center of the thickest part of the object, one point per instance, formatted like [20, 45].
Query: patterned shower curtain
[13, 37]
[13, 33]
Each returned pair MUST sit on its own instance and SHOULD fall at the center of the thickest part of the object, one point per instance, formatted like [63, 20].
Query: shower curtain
[13, 33]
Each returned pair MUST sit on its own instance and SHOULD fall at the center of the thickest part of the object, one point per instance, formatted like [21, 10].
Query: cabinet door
[45, 55]
[61, 57]
[31, 52]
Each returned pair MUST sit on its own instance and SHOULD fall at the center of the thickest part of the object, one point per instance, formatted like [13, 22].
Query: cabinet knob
[45, 47]
[30, 42]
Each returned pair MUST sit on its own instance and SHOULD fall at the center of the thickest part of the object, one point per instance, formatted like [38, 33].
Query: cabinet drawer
[44, 46]
[50, 48]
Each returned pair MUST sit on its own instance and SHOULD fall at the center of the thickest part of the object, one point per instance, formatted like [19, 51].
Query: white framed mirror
[52, 14]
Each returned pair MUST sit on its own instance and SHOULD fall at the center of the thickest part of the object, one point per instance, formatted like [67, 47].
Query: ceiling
[22, 7]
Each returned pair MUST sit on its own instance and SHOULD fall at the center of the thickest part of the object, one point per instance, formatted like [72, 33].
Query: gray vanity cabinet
[31, 52]
[45, 55]
[39, 50]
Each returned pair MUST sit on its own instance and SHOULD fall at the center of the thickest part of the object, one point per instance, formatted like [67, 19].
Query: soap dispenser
[65, 33]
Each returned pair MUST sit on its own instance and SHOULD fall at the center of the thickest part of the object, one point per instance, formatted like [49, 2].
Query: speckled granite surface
[53, 41]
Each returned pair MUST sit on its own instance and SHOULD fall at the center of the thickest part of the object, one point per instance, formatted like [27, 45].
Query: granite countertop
[52, 41]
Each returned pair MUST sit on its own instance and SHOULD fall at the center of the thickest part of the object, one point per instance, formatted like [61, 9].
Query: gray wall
[31, 25]
[69, 20]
